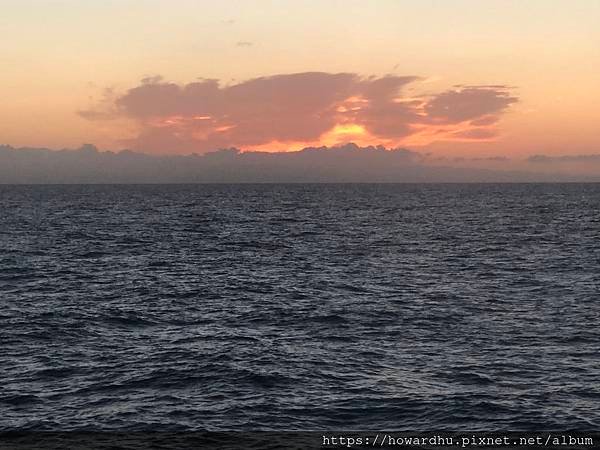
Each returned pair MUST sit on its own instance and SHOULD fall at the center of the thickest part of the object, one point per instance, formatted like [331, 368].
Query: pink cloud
[469, 103]
[298, 108]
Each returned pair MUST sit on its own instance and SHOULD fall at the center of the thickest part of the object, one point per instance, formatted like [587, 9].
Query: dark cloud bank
[348, 163]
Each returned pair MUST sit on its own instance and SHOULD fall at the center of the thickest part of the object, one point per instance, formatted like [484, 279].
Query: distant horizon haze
[343, 163]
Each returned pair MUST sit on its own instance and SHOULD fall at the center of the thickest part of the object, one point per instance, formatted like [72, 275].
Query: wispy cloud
[593, 158]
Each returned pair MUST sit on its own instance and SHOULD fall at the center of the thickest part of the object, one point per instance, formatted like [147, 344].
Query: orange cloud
[302, 109]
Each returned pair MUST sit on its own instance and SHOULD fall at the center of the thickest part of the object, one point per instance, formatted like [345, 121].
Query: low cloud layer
[348, 163]
[301, 108]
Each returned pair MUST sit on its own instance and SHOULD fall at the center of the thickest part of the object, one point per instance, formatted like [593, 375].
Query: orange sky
[500, 77]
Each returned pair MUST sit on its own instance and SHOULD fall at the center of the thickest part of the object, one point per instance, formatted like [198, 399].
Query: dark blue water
[407, 307]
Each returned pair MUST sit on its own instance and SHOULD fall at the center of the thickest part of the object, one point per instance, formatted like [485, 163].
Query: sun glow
[348, 129]
[343, 133]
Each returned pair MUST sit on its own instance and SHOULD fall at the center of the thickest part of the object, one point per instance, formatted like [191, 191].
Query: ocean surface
[300, 307]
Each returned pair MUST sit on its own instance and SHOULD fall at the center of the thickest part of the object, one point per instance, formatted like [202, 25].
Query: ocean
[300, 307]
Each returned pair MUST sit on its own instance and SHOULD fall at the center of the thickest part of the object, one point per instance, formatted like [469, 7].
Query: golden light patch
[224, 128]
[344, 133]
[349, 128]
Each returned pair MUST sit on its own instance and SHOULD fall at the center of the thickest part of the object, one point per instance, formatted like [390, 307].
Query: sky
[450, 78]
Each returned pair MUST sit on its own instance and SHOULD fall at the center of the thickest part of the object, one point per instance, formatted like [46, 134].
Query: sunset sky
[456, 78]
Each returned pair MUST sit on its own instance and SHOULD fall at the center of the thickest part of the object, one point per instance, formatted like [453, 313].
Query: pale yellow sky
[59, 56]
